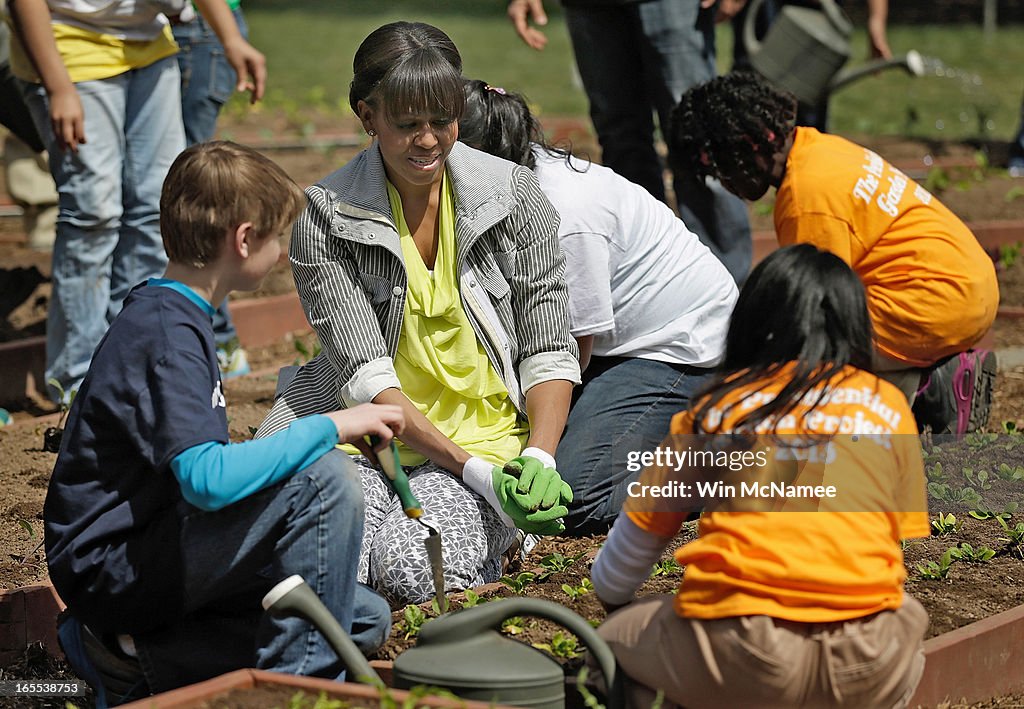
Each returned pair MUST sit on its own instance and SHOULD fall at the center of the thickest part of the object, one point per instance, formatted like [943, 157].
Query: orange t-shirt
[919, 263]
[816, 566]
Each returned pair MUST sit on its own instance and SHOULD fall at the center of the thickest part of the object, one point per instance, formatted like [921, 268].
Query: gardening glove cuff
[542, 455]
[480, 476]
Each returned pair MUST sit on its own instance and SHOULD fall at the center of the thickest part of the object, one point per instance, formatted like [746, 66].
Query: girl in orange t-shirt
[780, 608]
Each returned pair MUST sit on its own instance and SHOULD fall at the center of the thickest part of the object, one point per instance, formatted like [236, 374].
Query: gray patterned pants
[393, 559]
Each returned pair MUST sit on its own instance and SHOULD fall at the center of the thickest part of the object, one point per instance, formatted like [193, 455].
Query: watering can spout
[911, 62]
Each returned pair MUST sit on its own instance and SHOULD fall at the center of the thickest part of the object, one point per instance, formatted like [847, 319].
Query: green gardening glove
[538, 487]
[537, 521]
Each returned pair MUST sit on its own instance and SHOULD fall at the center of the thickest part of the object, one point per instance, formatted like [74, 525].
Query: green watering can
[465, 653]
[805, 48]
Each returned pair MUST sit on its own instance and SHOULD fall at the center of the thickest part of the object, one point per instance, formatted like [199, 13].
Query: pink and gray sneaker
[957, 395]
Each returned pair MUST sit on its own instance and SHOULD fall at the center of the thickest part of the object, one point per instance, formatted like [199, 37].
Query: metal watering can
[464, 652]
[805, 48]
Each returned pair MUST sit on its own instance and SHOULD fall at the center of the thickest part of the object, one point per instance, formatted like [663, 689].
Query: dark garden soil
[975, 480]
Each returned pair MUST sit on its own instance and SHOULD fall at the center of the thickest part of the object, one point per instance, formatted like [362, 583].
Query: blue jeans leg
[627, 407]
[108, 231]
[636, 60]
[309, 525]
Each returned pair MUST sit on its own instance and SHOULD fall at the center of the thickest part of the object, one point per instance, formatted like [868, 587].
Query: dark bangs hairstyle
[800, 305]
[721, 127]
[500, 122]
[408, 67]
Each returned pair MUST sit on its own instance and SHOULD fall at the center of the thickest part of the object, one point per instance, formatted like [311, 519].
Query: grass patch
[309, 46]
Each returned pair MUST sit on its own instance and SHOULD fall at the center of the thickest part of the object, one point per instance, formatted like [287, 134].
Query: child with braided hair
[917, 260]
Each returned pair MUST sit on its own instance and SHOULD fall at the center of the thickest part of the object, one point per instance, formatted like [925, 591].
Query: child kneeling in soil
[161, 537]
[781, 608]
[931, 288]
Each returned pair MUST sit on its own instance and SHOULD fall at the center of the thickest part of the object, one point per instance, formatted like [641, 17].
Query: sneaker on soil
[232, 360]
[957, 395]
[116, 678]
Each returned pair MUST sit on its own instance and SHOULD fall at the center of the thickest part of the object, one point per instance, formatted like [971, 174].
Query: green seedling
[936, 180]
[306, 353]
[513, 625]
[300, 700]
[52, 436]
[1010, 427]
[414, 620]
[1013, 474]
[520, 582]
[1015, 536]
[945, 493]
[1009, 253]
[979, 479]
[983, 511]
[979, 440]
[557, 562]
[935, 473]
[589, 700]
[1013, 194]
[966, 552]
[664, 567]
[936, 571]
[561, 645]
[472, 599]
[27, 526]
[945, 524]
[574, 592]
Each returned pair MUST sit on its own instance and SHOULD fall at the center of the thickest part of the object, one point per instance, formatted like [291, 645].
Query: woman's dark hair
[499, 122]
[800, 305]
[719, 128]
[408, 67]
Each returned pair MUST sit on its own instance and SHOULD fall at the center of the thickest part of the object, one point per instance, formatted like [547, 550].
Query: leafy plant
[936, 571]
[979, 440]
[53, 435]
[306, 353]
[983, 511]
[589, 700]
[1014, 193]
[1009, 253]
[665, 567]
[1015, 536]
[472, 599]
[1010, 427]
[300, 700]
[980, 479]
[513, 625]
[27, 526]
[945, 524]
[561, 645]
[557, 562]
[935, 473]
[414, 620]
[966, 552]
[945, 493]
[1014, 474]
[520, 582]
[575, 592]
[936, 180]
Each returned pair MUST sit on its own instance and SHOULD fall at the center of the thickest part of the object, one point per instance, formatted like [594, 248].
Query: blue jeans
[636, 60]
[207, 81]
[108, 229]
[311, 525]
[624, 404]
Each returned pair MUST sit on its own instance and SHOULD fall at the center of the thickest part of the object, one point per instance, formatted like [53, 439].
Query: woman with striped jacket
[432, 275]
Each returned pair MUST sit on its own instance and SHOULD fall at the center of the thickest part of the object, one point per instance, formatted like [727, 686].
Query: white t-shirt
[639, 281]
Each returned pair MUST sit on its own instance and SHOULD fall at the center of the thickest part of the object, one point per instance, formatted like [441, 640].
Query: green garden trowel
[391, 463]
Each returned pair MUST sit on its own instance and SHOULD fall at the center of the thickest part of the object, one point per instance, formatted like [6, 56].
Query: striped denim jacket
[351, 279]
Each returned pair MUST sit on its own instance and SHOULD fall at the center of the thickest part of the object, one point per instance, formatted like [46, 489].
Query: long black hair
[800, 305]
[500, 122]
[721, 127]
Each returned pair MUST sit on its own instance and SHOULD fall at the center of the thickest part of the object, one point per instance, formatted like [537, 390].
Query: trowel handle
[294, 597]
[470, 622]
[391, 463]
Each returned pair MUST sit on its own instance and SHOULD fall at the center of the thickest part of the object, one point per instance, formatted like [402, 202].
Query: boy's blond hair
[212, 188]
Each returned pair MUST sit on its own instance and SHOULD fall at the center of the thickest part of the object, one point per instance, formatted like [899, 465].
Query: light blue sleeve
[214, 475]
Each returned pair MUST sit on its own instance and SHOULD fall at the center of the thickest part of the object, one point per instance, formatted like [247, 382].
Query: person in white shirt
[649, 304]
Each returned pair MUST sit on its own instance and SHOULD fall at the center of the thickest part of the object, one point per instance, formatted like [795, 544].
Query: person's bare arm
[586, 345]
[246, 60]
[547, 407]
[32, 23]
[878, 14]
[423, 436]
[520, 13]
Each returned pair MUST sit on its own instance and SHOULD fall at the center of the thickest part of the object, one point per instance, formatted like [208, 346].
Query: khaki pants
[759, 661]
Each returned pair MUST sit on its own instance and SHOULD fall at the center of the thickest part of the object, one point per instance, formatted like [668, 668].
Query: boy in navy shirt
[161, 536]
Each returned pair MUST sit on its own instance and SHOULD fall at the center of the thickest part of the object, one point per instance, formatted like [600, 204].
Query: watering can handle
[468, 623]
[750, 39]
[837, 17]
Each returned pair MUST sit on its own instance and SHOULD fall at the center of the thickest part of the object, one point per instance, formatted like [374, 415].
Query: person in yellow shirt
[807, 607]
[917, 260]
[103, 88]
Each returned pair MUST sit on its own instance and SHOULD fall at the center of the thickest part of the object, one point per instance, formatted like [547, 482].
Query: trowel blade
[433, 543]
